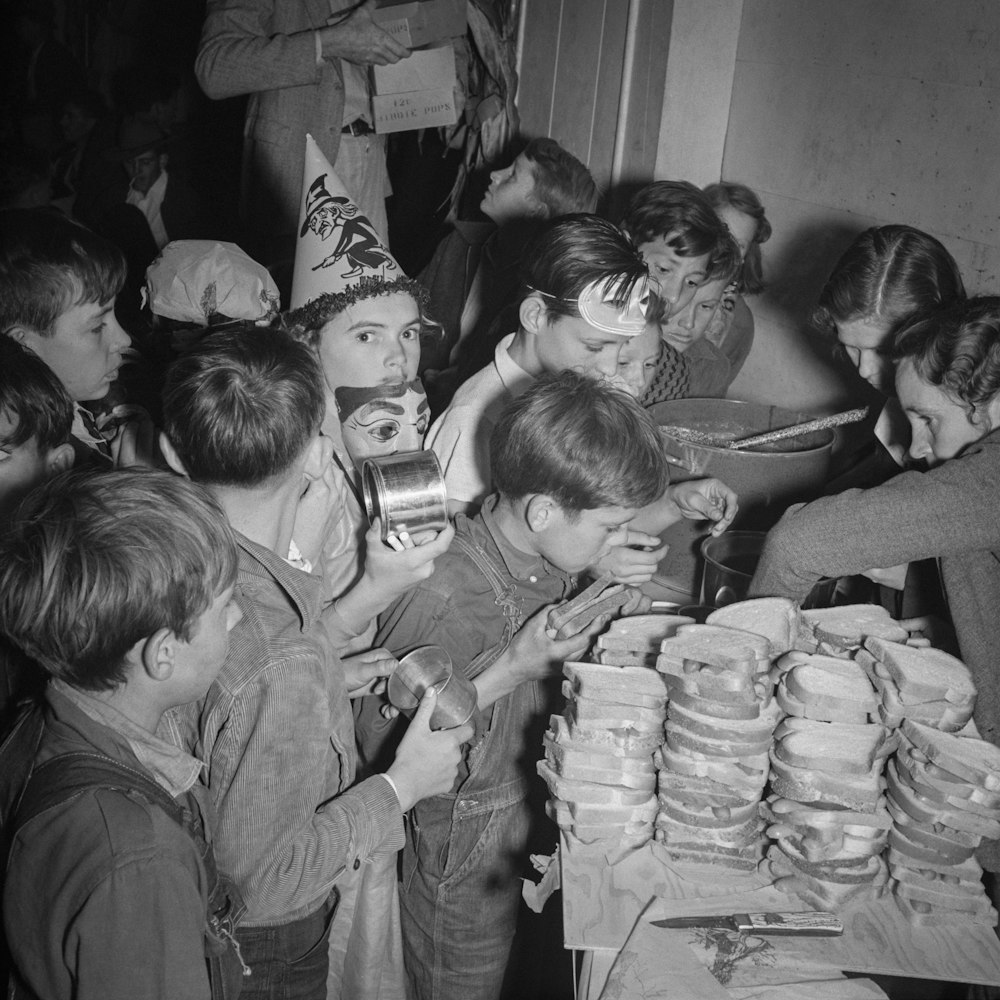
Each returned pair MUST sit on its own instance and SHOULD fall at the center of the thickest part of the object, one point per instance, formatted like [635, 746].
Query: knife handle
[809, 922]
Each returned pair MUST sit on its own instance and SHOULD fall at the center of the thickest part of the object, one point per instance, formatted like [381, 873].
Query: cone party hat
[336, 245]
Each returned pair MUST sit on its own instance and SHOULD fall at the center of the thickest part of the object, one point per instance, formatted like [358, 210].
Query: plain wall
[850, 115]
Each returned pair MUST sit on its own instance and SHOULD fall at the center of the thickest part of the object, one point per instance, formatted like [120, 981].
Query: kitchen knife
[810, 923]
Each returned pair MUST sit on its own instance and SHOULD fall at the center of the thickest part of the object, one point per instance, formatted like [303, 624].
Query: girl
[888, 276]
[948, 384]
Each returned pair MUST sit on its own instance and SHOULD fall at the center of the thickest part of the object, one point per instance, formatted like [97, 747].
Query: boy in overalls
[572, 460]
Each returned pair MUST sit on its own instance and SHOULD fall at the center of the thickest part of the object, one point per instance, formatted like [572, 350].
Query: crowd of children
[204, 791]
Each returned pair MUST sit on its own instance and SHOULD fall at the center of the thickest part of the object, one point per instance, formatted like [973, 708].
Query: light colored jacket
[267, 49]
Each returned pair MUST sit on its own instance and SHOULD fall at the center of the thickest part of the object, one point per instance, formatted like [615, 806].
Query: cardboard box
[416, 92]
[417, 109]
[425, 69]
[421, 23]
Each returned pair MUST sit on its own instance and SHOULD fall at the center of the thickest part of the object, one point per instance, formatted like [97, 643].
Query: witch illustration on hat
[356, 308]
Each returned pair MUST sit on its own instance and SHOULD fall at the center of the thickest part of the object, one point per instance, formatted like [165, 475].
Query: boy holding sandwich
[572, 460]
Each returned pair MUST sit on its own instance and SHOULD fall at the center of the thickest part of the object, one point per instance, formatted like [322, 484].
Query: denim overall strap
[62, 778]
[460, 893]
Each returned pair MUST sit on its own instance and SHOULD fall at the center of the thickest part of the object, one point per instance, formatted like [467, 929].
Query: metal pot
[767, 481]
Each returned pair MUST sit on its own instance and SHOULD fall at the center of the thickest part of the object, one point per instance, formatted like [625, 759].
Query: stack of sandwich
[827, 813]
[841, 631]
[944, 796]
[599, 753]
[714, 763]
[923, 684]
[635, 641]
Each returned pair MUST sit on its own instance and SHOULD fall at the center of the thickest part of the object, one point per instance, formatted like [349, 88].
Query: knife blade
[812, 923]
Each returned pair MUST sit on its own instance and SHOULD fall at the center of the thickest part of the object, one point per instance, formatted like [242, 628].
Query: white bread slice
[742, 836]
[752, 730]
[945, 899]
[965, 878]
[788, 660]
[846, 871]
[588, 713]
[623, 658]
[744, 711]
[680, 740]
[700, 792]
[582, 765]
[628, 742]
[855, 791]
[775, 618]
[931, 775]
[846, 627]
[969, 870]
[621, 685]
[782, 810]
[641, 633]
[830, 681]
[707, 816]
[829, 746]
[921, 914]
[941, 715]
[608, 828]
[711, 856]
[614, 749]
[973, 759]
[726, 637]
[595, 814]
[921, 855]
[749, 774]
[590, 793]
[700, 681]
[821, 711]
[924, 810]
[924, 673]
[949, 842]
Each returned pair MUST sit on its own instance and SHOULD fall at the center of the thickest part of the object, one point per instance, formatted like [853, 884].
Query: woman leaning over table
[948, 384]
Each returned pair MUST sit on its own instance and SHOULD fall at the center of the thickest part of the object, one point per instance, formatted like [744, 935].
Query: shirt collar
[301, 589]
[515, 379]
[171, 767]
[521, 565]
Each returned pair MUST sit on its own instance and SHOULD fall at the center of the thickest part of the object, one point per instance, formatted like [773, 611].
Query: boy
[242, 415]
[108, 890]
[577, 262]
[572, 460]
[681, 238]
[35, 420]
[588, 295]
[472, 277]
[58, 283]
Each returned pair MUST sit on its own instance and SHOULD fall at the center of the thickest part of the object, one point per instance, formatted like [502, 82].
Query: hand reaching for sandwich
[706, 499]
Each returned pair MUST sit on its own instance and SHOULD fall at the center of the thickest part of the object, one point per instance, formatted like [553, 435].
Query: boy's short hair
[242, 406]
[571, 252]
[679, 213]
[580, 441]
[32, 398]
[562, 183]
[48, 264]
[97, 561]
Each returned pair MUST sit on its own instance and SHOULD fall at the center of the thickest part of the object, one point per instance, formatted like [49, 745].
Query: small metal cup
[431, 666]
[406, 491]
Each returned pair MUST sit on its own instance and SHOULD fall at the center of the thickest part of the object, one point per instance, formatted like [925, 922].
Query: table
[608, 903]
